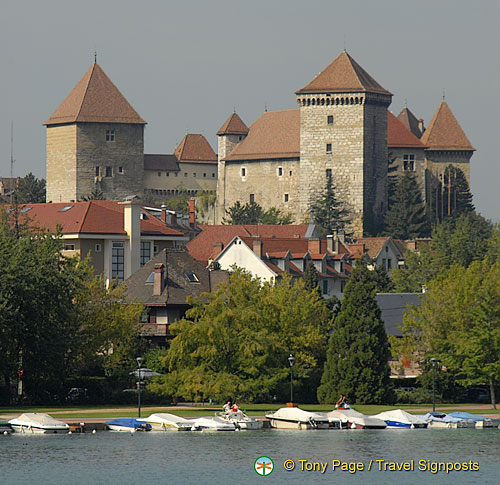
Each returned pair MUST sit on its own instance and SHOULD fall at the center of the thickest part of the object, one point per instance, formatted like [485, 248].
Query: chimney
[421, 126]
[192, 212]
[330, 240]
[218, 246]
[313, 245]
[164, 214]
[132, 226]
[158, 285]
[257, 248]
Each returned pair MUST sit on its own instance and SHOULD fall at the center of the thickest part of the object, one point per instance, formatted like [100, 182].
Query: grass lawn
[117, 411]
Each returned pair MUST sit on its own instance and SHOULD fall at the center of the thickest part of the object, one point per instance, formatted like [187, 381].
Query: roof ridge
[86, 90]
[80, 228]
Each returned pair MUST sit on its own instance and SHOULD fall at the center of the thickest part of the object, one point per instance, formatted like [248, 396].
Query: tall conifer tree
[358, 349]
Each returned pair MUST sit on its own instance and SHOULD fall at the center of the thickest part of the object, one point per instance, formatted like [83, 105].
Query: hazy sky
[185, 65]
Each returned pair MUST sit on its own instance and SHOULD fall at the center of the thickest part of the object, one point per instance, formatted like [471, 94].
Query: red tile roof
[93, 217]
[275, 134]
[343, 75]
[410, 121]
[233, 126]
[95, 99]
[373, 245]
[444, 132]
[202, 246]
[195, 148]
[399, 136]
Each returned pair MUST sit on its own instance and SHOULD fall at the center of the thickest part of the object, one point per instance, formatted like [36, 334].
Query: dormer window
[110, 135]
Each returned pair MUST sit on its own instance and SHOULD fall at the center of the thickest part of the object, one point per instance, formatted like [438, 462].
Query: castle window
[213, 175]
[280, 171]
[194, 174]
[97, 171]
[167, 174]
[329, 119]
[204, 175]
[159, 174]
[328, 172]
[328, 148]
[243, 172]
[286, 197]
[109, 171]
[252, 198]
[409, 163]
[120, 169]
[110, 135]
[176, 174]
[290, 173]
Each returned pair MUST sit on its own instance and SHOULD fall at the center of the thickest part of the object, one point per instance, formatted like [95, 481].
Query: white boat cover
[356, 417]
[39, 420]
[167, 419]
[400, 416]
[298, 415]
[214, 424]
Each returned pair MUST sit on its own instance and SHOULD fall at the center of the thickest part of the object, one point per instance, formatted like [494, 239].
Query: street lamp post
[139, 365]
[433, 360]
[291, 361]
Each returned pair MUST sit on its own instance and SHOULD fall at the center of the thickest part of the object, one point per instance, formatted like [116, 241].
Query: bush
[416, 396]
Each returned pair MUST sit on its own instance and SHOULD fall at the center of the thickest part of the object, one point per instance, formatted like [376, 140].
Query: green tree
[458, 322]
[328, 213]
[418, 270]
[96, 194]
[253, 213]
[493, 251]
[406, 217]
[311, 276]
[30, 190]
[358, 349]
[236, 341]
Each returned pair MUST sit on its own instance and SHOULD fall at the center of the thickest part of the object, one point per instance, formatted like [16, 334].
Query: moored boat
[38, 423]
[397, 418]
[355, 419]
[167, 422]
[5, 427]
[241, 420]
[296, 418]
[211, 424]
[127, 424]
[479, 421]
[442, 420]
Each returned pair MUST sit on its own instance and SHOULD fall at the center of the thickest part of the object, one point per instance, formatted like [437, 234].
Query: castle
[342, 128]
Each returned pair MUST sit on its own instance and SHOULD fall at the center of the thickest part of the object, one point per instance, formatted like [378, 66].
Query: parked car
[77, 395]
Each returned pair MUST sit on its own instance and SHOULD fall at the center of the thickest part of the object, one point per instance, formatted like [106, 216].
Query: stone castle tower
[343, 132]
[95, 140]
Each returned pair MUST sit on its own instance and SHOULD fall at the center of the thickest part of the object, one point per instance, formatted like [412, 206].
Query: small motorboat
[38, 423]
[397, 418]
[355, 419]
[296, 418]
[212, 424]
[479, 421]
[167, 422]
[5, 427]
[445, 421]
[241, 420]
[127, 424]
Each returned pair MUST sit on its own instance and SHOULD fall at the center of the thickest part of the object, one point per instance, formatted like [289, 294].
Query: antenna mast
[11, 184]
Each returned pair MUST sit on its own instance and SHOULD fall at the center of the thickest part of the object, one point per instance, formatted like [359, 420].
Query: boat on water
[5, 427]
[397, 418]
[296, 418]
[167, 422]
[38, 423]
[443, 420]
[127, 424]
[355, 419]
[241, 420]
[211, 424]
[479, 421]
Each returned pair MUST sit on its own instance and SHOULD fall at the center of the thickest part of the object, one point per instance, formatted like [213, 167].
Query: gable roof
[177, 262]
[233, 126]
[399, 136]
[202, 246]
[92, 217]
[95, 99]
[373, 245]
[195, 148]
[275, 134]
[168, 163]
[444, 132]
[343, 75]
[410, 121]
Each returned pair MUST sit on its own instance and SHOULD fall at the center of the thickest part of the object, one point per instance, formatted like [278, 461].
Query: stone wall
[436, 161]
[120, 162]
[419, 171]
[61, 163]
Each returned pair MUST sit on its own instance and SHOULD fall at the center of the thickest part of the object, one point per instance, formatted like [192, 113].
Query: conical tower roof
[95, 99]
[195, 148]
[410, 121]
[399, 136]
[233, 126]
[444, 132]
[343, 75]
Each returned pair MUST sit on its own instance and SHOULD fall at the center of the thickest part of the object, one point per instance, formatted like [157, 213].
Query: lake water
[229, 458]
